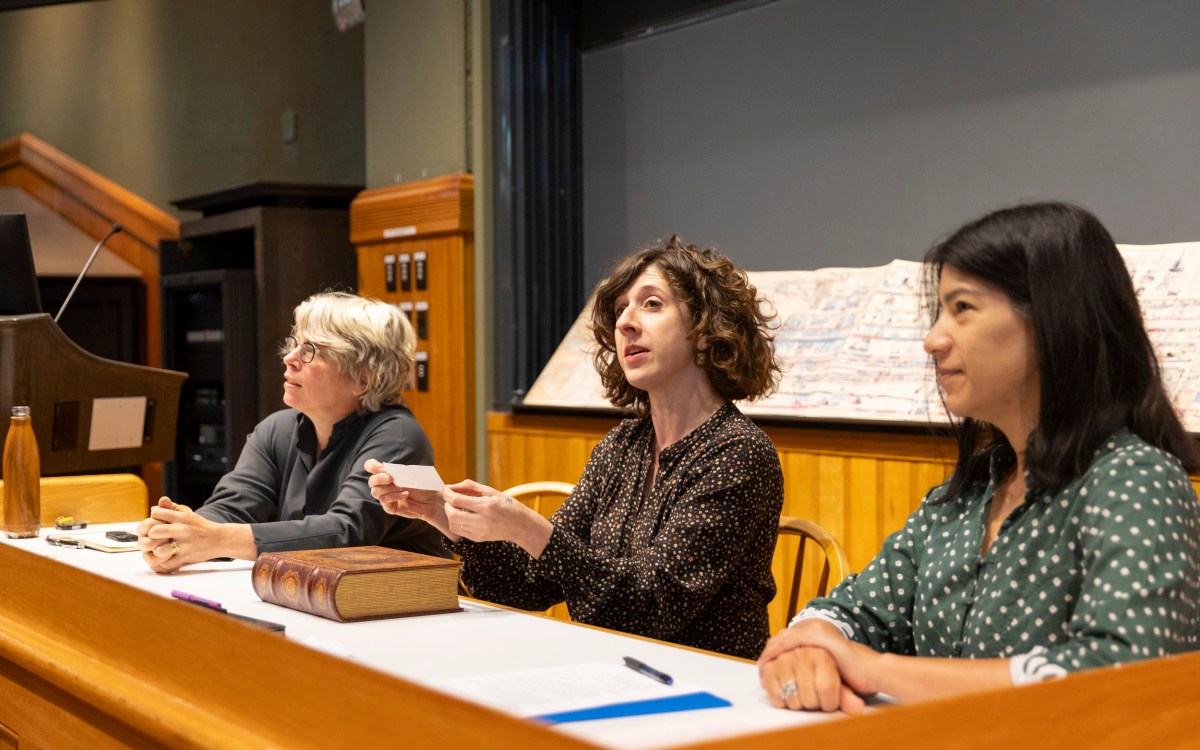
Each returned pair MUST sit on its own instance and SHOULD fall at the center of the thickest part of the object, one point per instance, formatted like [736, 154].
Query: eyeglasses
[308, 350]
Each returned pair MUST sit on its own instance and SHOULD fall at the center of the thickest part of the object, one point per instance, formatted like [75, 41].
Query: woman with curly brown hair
[669, 532]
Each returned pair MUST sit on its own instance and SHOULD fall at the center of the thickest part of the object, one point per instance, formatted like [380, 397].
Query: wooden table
[86, 660]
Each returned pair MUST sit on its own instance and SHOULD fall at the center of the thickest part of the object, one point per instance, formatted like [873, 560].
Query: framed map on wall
[849, 342]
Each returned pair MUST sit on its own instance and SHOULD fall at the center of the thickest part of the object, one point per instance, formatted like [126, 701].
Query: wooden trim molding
[92, 203]
[414, 209]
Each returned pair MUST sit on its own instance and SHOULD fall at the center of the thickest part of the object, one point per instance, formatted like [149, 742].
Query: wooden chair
[834, 569]
[544, 497]
[96, 498]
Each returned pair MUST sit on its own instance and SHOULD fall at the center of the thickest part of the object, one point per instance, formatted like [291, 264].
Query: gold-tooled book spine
[297, 585]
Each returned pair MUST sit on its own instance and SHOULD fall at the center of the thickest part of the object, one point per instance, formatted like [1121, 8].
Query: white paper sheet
[117, 423]
[572, 687]
[414, 477]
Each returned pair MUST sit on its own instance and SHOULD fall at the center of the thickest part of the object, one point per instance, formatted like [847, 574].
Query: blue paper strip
[685, 702]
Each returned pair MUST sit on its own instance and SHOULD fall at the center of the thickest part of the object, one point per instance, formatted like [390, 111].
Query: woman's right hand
[816, 680]
[156, 552]
[425, 505]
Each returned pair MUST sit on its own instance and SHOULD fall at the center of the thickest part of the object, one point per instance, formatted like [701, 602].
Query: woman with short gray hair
[298, 482]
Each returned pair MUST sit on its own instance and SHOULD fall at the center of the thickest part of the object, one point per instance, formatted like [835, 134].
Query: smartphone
[121, 536]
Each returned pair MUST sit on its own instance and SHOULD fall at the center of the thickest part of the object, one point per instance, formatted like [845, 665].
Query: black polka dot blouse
[690, 562]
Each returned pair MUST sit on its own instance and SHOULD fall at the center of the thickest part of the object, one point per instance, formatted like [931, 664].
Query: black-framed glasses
[308, 350]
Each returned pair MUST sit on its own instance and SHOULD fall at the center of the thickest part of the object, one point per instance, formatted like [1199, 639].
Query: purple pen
[196, 599]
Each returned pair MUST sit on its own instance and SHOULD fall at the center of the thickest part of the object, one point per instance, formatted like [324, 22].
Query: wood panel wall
[435, 217]
[858, 484]
[92, 203]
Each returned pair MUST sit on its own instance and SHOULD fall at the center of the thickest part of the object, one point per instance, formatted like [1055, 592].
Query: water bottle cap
[20, 411]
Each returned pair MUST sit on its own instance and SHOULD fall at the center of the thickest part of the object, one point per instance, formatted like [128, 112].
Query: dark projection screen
[799, 134]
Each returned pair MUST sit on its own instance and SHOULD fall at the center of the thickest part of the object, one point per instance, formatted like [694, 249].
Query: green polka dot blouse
[1103, 571]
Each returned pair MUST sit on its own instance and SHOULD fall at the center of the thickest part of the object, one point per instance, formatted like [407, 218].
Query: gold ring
[174, 548]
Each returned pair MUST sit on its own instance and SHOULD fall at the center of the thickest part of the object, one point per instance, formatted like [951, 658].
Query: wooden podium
[61, 383]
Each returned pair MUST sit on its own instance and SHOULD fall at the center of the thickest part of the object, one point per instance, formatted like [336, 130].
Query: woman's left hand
[483, 514]
[814, 656]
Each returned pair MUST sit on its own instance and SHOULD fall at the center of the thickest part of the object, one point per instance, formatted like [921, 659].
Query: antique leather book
[357, 583]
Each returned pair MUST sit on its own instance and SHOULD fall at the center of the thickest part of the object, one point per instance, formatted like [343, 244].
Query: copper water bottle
[22, 478]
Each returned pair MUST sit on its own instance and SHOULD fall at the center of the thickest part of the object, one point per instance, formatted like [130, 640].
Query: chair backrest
[836, 566]
[97, 498]
[543, 497]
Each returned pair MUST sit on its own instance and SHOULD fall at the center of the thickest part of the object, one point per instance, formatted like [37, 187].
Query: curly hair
[369, 340]
[725, 309]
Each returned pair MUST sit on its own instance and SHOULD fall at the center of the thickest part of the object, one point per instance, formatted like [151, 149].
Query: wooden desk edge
[176, 675]
[1105, 708]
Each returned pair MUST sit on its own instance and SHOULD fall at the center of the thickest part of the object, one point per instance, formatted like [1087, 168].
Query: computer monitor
[18, 281]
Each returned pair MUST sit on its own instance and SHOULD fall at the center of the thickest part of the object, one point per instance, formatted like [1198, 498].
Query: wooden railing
[93, 203]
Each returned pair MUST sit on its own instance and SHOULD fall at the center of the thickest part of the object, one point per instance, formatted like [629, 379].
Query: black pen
[275, 627]
[210, 605]
[649, 671]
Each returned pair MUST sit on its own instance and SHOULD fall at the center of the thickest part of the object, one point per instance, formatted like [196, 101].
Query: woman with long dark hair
[1068, 535]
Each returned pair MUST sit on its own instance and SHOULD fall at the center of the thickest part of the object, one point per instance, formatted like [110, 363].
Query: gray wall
[427, 113]
[174, 98]
[417, 52]
[803, 134]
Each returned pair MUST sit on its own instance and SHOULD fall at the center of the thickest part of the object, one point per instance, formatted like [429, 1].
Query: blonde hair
[369, 340]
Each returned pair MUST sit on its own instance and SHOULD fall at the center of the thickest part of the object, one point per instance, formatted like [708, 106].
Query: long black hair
[1059, 267]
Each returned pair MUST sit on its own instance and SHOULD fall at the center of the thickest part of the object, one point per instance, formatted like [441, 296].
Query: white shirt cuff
[1031, 667]
[820, 614]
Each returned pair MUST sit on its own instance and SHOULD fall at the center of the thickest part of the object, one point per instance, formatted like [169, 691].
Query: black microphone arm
[115, 228]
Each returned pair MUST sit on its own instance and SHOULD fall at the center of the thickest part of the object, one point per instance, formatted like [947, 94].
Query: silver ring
[175, 551]
[787, 690]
